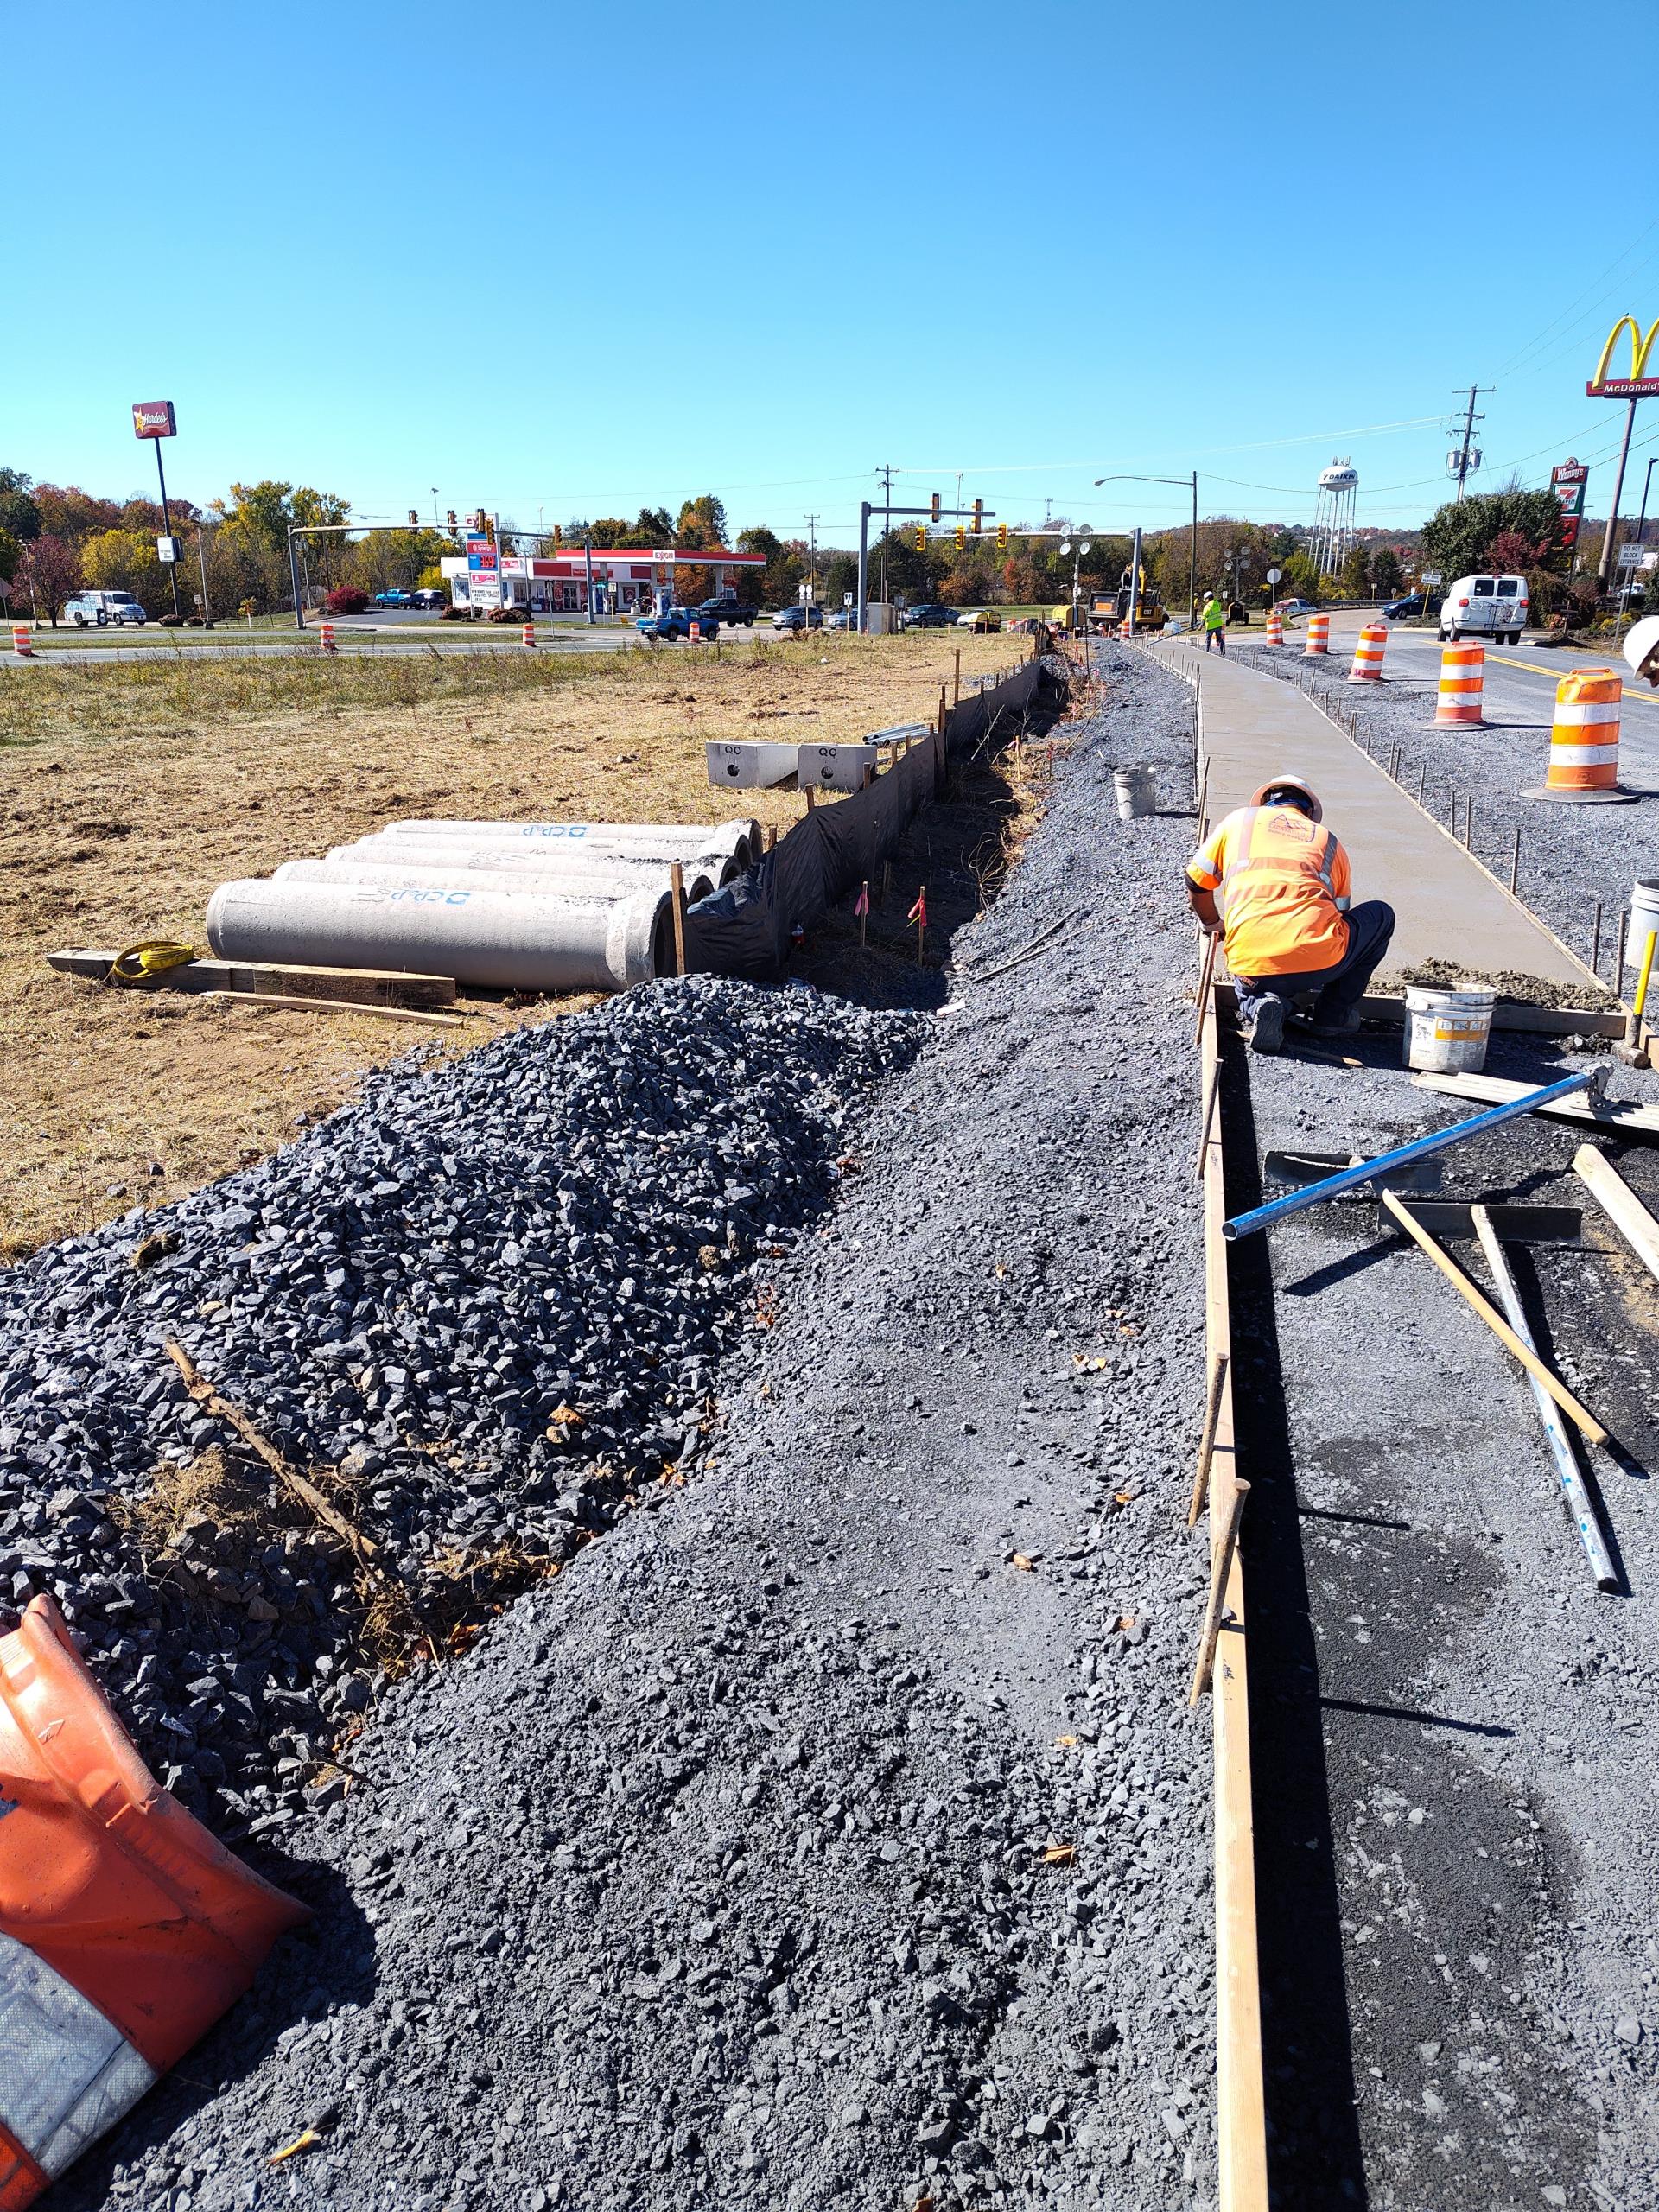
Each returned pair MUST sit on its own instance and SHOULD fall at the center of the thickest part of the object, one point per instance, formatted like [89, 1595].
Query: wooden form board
[360, 986]
[1498, 1090]
[1508, 1014]
[1241, 2118]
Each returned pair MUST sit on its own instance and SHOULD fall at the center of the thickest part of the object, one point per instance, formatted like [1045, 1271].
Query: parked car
[395, 598]
[841, 620]
[85, 610]
[428, 598]
[726, 609]
[979, 619]
[676, 622]
[1296, 607]
[798, 618]
[122, 607]
[1411, 603]
[1484, 607]
[930, 617]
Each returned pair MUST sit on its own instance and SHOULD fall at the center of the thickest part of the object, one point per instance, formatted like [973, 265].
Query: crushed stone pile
[491, 1296]
[834, 1833]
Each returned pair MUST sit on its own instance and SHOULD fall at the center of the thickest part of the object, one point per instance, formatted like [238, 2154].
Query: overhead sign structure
[480, 556]
[1638, 384]
[153, 419]
[1567, 482]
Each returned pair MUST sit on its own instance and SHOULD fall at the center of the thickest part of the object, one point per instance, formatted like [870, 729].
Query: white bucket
[1645, 921]
[1448, 1032]
[1137, 792]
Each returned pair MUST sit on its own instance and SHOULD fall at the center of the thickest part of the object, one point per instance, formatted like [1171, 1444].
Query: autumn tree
[52, 569]
[19, 512]
[125, 560]
[701, 523]
[1462, 536]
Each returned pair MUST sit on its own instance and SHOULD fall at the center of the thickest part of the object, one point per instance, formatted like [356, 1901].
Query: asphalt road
[54, 648]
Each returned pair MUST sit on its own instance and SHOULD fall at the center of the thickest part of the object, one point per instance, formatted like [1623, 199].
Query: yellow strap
[140, 963]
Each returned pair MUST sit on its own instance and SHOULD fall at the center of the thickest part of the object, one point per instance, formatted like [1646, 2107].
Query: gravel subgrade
[834, 1832]
[1571, 857]
[419, 1293]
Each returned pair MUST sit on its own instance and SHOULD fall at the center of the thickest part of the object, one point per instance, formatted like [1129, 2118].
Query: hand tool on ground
[1369, 1171]
[1620, 1203]
[1574, 1490]
[1631, 1050]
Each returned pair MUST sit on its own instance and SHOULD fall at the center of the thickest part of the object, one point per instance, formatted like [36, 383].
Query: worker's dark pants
[1215, 638]
[1340, 988]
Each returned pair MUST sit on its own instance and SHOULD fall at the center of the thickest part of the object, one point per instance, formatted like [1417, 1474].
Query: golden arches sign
[1638, 384]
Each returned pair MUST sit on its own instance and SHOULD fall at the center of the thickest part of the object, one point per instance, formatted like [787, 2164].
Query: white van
[1484, 607]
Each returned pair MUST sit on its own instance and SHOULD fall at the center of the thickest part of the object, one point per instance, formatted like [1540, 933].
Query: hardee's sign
[153, 419]
[1638, 384]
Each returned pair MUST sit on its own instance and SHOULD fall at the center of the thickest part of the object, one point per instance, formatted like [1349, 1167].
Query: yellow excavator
[1108, 610]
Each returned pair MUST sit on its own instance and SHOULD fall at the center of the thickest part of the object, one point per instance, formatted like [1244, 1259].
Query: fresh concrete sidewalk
[1448, 907]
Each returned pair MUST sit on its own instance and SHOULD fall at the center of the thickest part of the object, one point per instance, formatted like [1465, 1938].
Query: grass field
[133, 789]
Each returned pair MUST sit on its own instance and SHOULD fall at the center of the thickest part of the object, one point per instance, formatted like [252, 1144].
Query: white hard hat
[1642, 647]
[1288, 781]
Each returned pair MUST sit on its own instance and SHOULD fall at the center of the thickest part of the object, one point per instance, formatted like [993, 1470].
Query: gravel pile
[834, 1834]
[492, 1297]
[1571, 857]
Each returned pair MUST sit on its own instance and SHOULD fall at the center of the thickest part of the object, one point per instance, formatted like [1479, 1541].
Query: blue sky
[556, 261]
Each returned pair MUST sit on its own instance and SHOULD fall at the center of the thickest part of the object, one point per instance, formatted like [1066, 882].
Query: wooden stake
[1207, 1442]
[275, 1001]
[956, 681]
[771, 837]
[1209, 1116]
[1595, 942]
[1468, 823]
[887, 883]
[1422, 782]
[811, 796]
[864, 918]
[1212, 938]
[1469, 1289]
[1223, 1567]
[677, 884]
[1514, 863]
[1620, 1203]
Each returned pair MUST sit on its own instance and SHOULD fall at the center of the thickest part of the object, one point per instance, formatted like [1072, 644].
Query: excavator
[1107, 610]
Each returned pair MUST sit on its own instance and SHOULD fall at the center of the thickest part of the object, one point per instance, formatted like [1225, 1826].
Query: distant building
[626, 582]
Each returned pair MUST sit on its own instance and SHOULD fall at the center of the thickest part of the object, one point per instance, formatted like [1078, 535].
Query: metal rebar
[1595, 942]
[1422, 782]
[1575, 1496]
[1468, 823]
[1618, 964]
[1514, 863]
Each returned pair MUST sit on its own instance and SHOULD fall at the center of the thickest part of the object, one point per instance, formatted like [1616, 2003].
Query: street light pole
[1641, 526]
[1192, 550]
[167, 527]
[1605, 567]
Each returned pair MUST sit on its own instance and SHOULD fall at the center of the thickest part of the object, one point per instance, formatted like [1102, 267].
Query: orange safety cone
[1126, 628]
[529, 636]
[21, 644]
[1369, 649]
[1463, 676]
[125, 1930]
[1584, 740]
[1318, 635]
[325, 635]
[1275, 627]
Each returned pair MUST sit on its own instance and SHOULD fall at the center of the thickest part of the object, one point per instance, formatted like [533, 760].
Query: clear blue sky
[560, 261]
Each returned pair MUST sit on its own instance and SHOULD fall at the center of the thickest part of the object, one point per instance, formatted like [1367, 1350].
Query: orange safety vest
[1281, 883]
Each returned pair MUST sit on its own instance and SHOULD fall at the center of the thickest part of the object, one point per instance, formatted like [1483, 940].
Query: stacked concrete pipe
[573, 868]
[739, 841]
[433, 870]
[510, 940]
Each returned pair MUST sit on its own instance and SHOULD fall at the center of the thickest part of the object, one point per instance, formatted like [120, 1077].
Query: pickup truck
[676, 622]
[726, 609]
[394, 599]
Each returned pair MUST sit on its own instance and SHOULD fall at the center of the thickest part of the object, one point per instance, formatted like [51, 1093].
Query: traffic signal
[921, 537]
[449, 517]
[558, 535]
[1002, 537]
[478, 519]
[978, 508]
[489, 528]
[961, 537]
[414, 519]
[936, 506]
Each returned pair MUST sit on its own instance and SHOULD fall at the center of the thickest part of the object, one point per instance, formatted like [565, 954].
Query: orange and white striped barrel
[529, 637]
[1369, 649]
[1318, 635]
[1275, 627]
[1126, 628]
[325, 635]
[1463, 674]
[1584, 742]
[20, 640]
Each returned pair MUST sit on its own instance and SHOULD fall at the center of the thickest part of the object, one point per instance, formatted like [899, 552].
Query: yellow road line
[1531, 668]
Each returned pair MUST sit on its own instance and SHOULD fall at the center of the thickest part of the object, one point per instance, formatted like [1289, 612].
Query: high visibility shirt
[1281, 883]
[1214, 615]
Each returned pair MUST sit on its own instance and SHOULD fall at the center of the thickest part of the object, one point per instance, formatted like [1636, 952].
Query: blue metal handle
[1246, 1224]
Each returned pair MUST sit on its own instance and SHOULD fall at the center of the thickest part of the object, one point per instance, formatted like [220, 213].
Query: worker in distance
[1274, 882]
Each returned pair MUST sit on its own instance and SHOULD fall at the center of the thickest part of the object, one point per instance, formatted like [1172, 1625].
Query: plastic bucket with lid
[1644, 920]
[1137, 792]
[1448, 1032]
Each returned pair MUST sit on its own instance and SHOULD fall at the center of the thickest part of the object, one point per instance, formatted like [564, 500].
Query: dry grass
[131, 791]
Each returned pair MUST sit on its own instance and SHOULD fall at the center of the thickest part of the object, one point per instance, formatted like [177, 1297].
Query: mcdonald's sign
[1638, 384]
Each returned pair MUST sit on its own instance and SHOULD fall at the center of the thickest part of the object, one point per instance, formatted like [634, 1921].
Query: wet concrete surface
[1454, 1737]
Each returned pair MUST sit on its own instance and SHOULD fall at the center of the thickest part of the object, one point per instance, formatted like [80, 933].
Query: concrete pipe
[613, 872]
[420, 869]
[500, 940]
[668, 841]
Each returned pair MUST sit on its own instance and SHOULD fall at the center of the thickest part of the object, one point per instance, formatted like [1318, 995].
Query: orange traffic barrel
[1463, 674]
[325, 635]
[1369, 649]
[125, 1930]
[1318, 634]
[1584, 740]
[21, 643]
[529, 633]
[1126, 628]
[1275, 627]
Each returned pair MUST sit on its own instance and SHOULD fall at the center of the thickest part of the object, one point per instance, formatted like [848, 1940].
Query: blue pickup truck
[676, 622]
[394, 598]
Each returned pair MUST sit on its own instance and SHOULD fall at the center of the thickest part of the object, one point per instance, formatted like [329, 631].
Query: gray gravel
[746, 1860]
[1571, 857]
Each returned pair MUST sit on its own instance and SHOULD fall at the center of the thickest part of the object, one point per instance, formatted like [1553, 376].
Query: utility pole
[887, 524]
[1470, 420]
[166, 524]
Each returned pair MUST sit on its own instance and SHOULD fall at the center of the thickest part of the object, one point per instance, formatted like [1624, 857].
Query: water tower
[1334, 517]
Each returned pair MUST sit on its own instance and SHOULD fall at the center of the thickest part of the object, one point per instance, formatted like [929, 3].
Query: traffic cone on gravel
[125, 1930]
[1318, 635]
[1369, 649]
[1463, 677]
[1275, 627]
[1584, 740]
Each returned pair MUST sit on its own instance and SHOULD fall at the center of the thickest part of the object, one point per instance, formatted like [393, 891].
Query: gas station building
[626, 582]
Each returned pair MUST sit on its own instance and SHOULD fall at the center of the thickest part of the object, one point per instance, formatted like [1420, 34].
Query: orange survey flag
[918, 911]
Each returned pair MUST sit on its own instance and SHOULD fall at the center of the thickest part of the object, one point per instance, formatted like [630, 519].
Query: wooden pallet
[347, 986]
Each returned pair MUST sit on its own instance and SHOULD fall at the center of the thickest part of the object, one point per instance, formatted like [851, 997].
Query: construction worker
[1274, 882]
[1213, 615]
